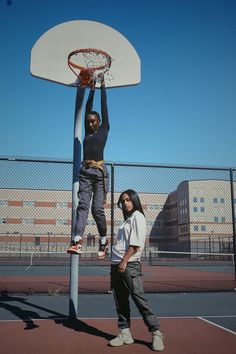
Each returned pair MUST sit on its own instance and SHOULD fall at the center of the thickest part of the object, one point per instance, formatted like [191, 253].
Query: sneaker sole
[157, 349]
[74, 252]
[102, 257]
[119, 345]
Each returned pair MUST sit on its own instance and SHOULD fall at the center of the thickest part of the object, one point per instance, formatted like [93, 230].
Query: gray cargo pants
[127, 284]
[92, 183]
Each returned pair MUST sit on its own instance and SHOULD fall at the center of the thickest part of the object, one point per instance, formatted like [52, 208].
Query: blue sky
[182, 112]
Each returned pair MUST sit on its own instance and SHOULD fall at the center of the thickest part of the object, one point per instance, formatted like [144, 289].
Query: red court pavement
[90, 336]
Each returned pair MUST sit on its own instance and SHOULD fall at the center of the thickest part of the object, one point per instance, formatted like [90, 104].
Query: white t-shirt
[131, 233]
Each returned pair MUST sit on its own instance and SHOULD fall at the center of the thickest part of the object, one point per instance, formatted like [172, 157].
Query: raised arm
[89, 104]
[104, 110]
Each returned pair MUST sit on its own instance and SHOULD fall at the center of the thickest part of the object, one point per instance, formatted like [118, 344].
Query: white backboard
[49, 54]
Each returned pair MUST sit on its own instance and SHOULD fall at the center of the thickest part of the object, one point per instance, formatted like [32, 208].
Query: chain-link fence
[190, 213]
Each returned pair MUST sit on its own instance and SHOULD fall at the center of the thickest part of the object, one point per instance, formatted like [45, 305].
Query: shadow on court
[80, 326]
[39, 324]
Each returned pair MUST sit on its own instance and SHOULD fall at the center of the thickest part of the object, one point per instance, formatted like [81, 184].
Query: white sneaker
[157, 341]
[124, 337]
[103, 250]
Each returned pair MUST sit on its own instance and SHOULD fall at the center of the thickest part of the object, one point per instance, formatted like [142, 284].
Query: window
[216, 219]
[3, 220]
[28, 203]
[222, 200]
[202, 200]
[203, 227]
[3, 202]
[37, 241]
[223, 219]
[155, 206]
[195, 209]
[195, 199]
[215, 200]
[61, 222]
[62, 205]
[202, 209]
[27, 221]
[195, 227]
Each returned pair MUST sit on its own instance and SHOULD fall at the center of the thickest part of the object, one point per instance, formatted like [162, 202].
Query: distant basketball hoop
[88, 64]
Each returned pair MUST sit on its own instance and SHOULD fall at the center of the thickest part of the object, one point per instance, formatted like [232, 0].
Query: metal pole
[74, 259]
[112, 204]
[112, 211]
[20, 243]
[233, 219]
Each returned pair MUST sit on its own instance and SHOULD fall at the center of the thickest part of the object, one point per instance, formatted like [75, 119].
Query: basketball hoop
[88, 64]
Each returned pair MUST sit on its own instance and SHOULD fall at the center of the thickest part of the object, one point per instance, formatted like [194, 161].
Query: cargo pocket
[137, 285]
[135, 275]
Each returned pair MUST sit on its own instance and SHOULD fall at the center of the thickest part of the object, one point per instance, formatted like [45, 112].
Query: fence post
[112, 205]
[112, 210]
[74, 259]
[233, 218]
[20, 243]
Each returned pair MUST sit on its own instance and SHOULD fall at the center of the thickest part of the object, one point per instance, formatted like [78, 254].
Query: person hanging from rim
[94, 176]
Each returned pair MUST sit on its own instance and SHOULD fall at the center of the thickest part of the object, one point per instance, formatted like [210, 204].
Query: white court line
[211, 316]
[35, 319]
[216, 325]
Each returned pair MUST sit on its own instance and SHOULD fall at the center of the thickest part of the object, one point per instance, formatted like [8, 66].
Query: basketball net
[90, 65]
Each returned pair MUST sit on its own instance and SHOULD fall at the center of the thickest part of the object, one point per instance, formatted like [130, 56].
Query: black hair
[94, 113]
[133, 196]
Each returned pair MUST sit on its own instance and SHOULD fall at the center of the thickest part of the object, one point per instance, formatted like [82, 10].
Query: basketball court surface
[191, 323]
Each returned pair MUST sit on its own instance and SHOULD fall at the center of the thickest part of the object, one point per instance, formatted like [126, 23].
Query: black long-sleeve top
[94, 144]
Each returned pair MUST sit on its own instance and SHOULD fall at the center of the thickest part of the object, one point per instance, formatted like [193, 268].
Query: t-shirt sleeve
[138, 231]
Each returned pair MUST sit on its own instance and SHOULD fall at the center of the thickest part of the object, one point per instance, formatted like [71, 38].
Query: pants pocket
[137, 285]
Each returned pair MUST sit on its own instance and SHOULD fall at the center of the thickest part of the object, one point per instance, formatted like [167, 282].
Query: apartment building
[196, 216]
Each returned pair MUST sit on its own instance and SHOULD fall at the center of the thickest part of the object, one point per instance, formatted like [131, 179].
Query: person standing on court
[126, 275]
[93, 177]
